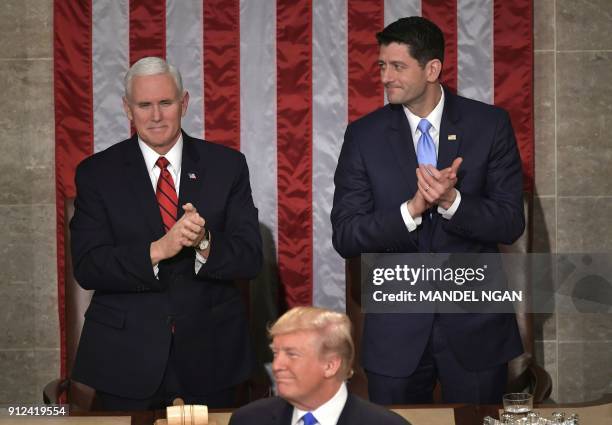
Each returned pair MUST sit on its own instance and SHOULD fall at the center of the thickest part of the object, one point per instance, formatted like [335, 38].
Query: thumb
[188, 207]
[456, 164]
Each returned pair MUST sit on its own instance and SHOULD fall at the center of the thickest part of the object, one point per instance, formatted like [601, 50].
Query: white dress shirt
[326, 414]
[435, 119]
[175, 158]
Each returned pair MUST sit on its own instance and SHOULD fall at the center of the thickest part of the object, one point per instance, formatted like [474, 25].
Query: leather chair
[79, 396]
[523, 372]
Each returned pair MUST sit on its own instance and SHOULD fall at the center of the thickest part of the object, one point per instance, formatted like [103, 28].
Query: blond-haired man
[313, 356]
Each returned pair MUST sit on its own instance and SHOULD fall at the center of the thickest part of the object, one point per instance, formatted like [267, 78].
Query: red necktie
[166, 195]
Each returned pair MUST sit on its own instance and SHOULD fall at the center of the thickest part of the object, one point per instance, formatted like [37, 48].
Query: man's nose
[278, 363]
[156, 113]
[386, 75]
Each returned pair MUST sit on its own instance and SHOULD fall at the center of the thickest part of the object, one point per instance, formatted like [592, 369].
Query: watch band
[205, 242]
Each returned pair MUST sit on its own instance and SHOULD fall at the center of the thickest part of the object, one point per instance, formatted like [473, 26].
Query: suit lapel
[349, 414]
[449, 144]
[450, 132]
[286, 415]
[192, 174]
[400, 138]
[281, 412]
[139, 183]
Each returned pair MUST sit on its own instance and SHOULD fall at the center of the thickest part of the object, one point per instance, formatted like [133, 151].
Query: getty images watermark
[486, 283]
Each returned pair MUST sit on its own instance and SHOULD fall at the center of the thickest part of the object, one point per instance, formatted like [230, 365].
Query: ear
[433, 68]
[127, 109]
[184, 103]
[332, 365]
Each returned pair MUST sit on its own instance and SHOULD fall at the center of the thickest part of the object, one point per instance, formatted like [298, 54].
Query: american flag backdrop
[279, 80]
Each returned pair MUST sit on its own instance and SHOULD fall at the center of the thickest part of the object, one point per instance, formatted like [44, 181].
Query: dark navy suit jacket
[376, 174]
[126, 337]
[276, 411]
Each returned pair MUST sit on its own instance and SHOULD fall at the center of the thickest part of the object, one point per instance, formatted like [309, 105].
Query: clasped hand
[188, 231]
[435, 187]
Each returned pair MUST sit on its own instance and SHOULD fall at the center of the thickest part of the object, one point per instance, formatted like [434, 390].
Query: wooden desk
[464, 414]
[435, 414]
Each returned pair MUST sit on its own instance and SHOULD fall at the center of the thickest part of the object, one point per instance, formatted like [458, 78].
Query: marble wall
[573, 107]
[573, 143]
[29, 343]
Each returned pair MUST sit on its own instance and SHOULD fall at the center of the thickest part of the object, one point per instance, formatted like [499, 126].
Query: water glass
[518, 404]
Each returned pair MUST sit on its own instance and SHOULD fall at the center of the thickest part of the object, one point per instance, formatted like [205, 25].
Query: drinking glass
[518, 404]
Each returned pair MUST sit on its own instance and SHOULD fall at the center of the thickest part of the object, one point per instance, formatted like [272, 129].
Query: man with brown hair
[431, 172]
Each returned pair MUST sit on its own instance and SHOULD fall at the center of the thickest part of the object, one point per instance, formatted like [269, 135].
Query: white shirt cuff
[411, 223]
[199, 261]
[450, 212]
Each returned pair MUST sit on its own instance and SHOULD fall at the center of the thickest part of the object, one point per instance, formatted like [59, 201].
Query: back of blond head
[333, 328]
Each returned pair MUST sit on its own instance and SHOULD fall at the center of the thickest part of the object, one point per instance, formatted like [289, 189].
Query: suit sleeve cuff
[450, 212]
[410, 222]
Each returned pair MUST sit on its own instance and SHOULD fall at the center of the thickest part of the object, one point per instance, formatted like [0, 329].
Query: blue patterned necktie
[426, 150]
[309, 419]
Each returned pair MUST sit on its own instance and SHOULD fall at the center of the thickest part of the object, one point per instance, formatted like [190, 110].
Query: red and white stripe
[279, 80]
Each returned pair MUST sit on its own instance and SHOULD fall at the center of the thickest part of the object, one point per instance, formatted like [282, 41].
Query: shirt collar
[329, 412]
[434, 117]
[174, 155]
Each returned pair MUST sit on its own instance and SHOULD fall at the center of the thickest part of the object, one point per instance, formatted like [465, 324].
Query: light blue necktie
[309, 419]
[426, 150]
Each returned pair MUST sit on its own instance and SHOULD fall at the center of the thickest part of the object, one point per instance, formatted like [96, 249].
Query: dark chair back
[76, 300]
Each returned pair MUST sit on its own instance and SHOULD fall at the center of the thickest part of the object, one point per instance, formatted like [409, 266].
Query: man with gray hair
[313, 357]
[163, 225]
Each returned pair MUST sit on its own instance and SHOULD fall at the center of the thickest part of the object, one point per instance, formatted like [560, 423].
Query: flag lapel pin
[192, 176]
[452, 137]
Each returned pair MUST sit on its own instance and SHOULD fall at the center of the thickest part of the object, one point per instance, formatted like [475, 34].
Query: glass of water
[518, 404]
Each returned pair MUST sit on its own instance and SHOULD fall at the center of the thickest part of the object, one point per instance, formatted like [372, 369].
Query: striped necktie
[166, 194]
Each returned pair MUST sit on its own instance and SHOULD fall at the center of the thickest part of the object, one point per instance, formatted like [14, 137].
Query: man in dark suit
[429, 172]
[163, 225]
[313, 356]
